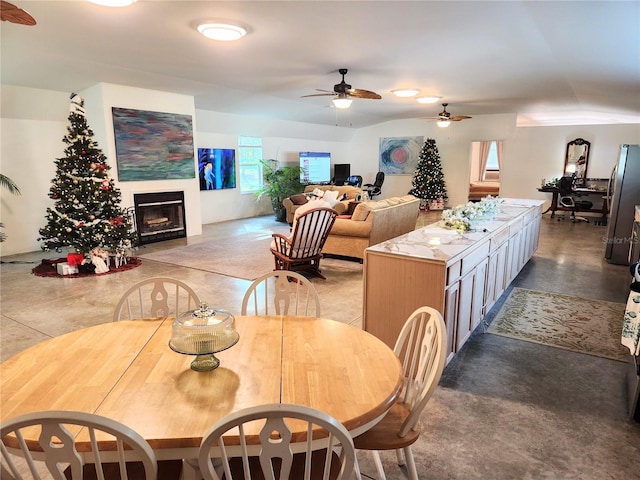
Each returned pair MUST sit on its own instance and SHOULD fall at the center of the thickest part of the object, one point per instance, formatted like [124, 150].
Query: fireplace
[159, 216]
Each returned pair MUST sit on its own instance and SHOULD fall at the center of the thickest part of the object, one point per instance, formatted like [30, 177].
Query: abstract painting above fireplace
[153, 145]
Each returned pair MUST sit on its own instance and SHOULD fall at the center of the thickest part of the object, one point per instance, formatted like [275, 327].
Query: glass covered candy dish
[203, 332]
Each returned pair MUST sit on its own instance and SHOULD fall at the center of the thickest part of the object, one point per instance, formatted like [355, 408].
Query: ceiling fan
[343, 93]
[445, 117]
[13, 14]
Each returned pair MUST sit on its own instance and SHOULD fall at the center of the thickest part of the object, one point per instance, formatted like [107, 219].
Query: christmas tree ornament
[79, 188]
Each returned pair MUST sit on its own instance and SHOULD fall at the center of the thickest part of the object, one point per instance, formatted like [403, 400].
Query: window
[249, 156]
[492, 159]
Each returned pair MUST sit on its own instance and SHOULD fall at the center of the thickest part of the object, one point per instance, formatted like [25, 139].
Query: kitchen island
[460, 275]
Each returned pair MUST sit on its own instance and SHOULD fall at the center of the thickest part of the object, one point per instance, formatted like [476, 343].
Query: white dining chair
[330, 455]
[422, 349]
[57, 455]
[281, 292]
[157, 297]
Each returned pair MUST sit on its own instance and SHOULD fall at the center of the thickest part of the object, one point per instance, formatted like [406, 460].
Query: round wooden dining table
[126, 371]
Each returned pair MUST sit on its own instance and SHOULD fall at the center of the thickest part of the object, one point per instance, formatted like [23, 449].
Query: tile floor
[505, 409]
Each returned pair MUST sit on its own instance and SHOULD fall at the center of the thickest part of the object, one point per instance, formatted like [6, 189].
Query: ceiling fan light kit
[444, 118]
[406, 92]
[342, 102]
[443, 123]
[224, 32]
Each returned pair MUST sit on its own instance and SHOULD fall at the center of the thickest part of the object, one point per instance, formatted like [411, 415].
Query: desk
[555, 194]
[126, 371]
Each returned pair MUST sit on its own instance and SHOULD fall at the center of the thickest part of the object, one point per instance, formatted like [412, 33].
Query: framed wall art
[216, 168]
[399, 155]
[153, 145]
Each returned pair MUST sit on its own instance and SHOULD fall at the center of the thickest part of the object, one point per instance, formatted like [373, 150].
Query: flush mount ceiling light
[443, 123]
[224, 32]
[428, 99]
[342, 102]
[113, 3]
[406, 92]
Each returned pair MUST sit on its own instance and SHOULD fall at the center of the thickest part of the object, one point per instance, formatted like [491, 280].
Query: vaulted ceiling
[544, 61]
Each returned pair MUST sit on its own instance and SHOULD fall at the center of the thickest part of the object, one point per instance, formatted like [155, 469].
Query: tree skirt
[48, 268]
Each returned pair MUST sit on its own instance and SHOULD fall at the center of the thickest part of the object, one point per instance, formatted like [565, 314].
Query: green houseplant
[278, 184]
[10, 185]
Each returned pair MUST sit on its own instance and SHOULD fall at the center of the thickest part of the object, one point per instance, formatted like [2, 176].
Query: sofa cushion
[331, 197]
[298, 199]
[360, 213]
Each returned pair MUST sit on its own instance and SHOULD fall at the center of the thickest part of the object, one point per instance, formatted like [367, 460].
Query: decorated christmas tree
[87, 212]
[428, 180]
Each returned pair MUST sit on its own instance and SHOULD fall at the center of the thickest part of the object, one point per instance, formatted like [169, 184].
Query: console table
[555, 195]
[461, 276]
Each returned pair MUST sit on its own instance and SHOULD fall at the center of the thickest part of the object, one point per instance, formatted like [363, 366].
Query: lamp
[342, 101]
[406, 92]
[428, 99]
[443, 123]
[222, 31]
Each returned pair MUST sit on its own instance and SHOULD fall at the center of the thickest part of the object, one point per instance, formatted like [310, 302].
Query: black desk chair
[568, 199]
[375, 188]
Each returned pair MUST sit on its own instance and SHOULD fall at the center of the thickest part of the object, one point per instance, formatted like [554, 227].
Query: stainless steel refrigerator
[623, 196]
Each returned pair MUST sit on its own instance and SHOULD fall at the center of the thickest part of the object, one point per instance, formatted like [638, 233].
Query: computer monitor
[341, 171]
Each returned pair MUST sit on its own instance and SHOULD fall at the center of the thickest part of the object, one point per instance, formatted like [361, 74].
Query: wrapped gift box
[65, 269]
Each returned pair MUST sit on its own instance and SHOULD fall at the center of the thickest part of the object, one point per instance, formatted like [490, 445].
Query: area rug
[246, 256]
[578, 324]
[47, 268]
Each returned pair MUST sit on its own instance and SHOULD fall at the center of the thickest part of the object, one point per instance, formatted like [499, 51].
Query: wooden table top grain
[126, 371]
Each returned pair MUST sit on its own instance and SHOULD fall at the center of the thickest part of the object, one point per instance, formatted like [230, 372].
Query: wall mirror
[577, 159]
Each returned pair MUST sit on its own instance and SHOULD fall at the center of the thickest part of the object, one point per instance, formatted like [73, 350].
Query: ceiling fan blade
[457, 118]
[357, 93]
[13, 14]
[328, 94]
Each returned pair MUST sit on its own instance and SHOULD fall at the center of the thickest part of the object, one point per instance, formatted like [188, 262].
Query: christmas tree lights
[87, 212]
[428, 180]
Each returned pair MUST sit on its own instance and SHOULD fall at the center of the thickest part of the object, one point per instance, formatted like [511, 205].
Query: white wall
[33, 123]
[281, 140]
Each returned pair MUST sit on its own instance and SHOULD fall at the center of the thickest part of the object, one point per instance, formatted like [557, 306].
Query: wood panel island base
[461, 276]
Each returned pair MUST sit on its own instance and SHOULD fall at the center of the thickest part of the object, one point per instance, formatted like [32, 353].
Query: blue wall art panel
[399, 155]
[216, 168]
[153, 145]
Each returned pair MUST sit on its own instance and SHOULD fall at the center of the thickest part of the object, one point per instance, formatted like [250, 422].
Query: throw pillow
[331, 197]
[298, 199]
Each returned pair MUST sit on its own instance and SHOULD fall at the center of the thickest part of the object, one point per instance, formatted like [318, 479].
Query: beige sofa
[372, 222]
[292, 203]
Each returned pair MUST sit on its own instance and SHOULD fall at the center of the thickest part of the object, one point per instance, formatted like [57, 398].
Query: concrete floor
[505, 408]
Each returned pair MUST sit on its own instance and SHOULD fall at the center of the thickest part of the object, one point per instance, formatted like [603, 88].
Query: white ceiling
[542, 60]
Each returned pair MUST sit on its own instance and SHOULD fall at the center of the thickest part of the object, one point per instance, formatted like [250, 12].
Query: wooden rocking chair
[302, 250]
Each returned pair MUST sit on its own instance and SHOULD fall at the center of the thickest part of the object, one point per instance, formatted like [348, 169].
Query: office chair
[568, 200]
[375, 188]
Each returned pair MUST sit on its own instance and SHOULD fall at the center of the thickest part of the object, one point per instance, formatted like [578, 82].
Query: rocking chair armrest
[282, 242]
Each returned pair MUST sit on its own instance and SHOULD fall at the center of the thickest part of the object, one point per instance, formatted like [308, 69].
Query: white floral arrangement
[463, 217]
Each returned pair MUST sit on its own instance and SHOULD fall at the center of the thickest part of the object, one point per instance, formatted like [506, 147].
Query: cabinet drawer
[475, 257]
[499, 238]
[453, 272]
[529, 216]
[515, 227]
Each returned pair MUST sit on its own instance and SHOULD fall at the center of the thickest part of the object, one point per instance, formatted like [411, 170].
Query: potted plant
[10, 185]
[278, 184]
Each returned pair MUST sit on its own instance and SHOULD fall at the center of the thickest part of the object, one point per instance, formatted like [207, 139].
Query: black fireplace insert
[159, 216]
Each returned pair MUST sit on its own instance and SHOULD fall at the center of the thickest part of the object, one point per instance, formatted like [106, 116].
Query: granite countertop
[439, 243]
